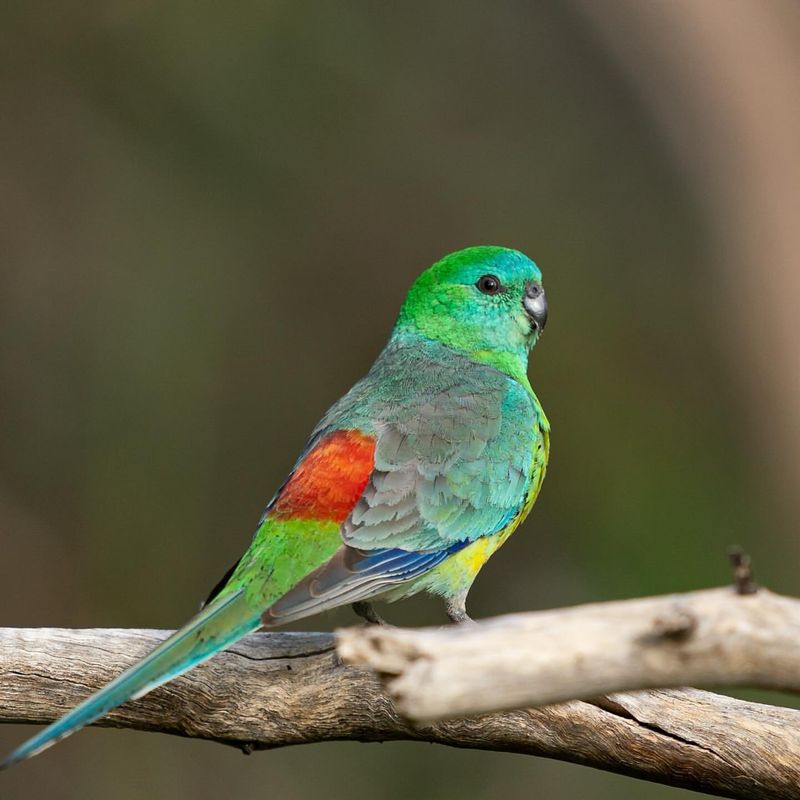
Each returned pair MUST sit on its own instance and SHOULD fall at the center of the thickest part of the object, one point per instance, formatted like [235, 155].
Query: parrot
[409, 482]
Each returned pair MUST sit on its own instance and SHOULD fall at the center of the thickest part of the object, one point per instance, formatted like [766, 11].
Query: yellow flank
[457, 573]
[462, 567]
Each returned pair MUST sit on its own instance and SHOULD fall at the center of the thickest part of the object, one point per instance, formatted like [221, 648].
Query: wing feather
[453, 458]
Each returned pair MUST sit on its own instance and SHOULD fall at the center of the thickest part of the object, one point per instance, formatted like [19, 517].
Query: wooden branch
[736, 636]
[715, 637]
[272, 690]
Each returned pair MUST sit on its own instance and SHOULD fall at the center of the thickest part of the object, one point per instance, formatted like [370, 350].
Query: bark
[273, 690]
[715, 637]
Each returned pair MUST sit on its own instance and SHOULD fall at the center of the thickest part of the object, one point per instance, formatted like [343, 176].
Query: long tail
[216, 627]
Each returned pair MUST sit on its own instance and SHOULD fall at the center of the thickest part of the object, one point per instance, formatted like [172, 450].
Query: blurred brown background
[209, 215]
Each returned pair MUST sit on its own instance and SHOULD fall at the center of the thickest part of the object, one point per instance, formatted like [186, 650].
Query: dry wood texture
[272, 690]
[716, 637]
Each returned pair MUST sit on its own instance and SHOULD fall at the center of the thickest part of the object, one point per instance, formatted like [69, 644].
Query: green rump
[279, 557]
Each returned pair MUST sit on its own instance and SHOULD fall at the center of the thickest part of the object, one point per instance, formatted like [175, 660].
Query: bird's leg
[456, 608]
[367, 612]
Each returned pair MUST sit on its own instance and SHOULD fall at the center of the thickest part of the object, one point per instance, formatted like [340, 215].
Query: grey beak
[535, 304]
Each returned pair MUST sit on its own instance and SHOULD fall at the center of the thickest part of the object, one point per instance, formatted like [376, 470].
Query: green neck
[442, 306]
[512, 361]
[515, 365]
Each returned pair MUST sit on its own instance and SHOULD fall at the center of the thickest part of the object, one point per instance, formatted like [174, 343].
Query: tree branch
[272, 690]
[714, 637]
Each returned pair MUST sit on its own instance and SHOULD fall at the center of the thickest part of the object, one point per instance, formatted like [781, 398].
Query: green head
[485, 302]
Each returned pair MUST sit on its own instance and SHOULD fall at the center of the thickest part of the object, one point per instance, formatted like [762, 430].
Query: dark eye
[488, 284]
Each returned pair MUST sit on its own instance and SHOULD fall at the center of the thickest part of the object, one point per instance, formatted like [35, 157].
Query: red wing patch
[330, 479]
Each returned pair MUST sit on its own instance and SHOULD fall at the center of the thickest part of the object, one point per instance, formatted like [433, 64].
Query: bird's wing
[456, 468]
[453, 467]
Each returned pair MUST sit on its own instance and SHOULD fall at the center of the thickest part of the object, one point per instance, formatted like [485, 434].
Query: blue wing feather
[353, 575]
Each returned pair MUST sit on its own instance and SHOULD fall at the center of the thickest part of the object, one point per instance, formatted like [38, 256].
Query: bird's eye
[488, 284]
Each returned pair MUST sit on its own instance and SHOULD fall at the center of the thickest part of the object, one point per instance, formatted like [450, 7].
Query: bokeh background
[209, 214]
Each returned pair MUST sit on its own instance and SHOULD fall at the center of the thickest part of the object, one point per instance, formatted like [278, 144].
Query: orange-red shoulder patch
[330, 479]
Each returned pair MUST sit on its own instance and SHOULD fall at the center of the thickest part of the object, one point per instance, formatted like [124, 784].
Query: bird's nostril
[533, 290]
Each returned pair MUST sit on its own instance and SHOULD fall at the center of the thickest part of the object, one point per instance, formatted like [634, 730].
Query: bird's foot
[456, 610]
[367, 612]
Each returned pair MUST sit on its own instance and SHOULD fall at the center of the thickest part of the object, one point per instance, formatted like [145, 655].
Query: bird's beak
[535, 304]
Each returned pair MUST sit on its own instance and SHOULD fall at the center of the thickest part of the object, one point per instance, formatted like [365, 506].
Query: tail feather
[216, 627]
